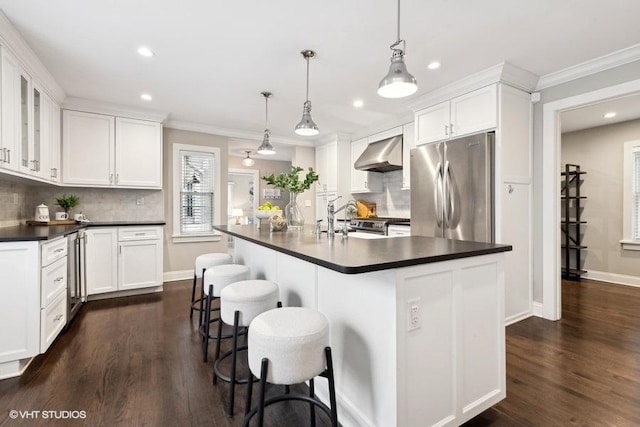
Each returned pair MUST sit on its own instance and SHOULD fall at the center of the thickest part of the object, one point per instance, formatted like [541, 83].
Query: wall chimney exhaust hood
[381, 156]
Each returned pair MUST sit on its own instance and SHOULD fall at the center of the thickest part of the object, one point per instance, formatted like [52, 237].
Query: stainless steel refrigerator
[452, 189]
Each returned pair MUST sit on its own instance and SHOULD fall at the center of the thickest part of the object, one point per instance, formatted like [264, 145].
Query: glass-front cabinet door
[26, 160]
[38, 109]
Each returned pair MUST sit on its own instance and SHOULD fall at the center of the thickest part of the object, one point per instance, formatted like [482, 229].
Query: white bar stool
[240, 303]
[203, 262]
[289, 346]
[215, 279]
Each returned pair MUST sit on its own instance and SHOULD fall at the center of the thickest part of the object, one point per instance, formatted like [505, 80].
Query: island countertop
[354, 255]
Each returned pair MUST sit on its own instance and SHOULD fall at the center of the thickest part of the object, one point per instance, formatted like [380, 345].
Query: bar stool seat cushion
[209, 260]
[221, 276]
[250, 298]
[293, 339]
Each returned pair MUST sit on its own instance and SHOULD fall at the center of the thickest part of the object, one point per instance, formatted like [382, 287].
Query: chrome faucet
[331, 211]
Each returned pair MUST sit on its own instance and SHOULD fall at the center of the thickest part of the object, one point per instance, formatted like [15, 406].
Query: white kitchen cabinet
[408, 143]
[102, 260]
[105, 151]
[326, 167]
[396, 230]
[19, 305]
[12, 129]
[129, 258]
[463, 115]
[53, 290]
[138, 153]
[363, 181]
[88, 149]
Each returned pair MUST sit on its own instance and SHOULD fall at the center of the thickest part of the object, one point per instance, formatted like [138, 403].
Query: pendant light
[266, 147]
[307, 127]
[398, 83]
[248, 161]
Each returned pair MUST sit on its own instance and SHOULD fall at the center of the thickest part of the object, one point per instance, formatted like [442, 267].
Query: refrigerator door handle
[437, 191]
[450, 202]
[446, 198]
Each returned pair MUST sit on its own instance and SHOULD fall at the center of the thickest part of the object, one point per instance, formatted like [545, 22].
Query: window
[631, 196]
[196, 193]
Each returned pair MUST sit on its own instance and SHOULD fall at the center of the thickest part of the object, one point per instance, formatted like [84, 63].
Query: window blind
[196, 193]
[636, 193]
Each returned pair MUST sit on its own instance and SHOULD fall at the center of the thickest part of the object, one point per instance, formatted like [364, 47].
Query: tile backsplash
[105, 204]
[393, 201]
[14, 207]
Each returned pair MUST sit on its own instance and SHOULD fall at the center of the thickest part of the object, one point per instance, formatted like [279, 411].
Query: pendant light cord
[398, 38]
[307, 58]
[266, 112]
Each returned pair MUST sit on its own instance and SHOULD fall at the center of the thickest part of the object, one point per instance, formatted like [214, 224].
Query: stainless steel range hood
[381, 156]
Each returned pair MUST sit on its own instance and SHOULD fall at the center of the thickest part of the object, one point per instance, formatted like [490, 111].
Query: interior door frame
[551, 140]
[255, 174]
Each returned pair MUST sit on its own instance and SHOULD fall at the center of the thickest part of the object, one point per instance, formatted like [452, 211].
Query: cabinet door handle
[59, 250]
[33, 166]
[58, 279]
[365, 185]
[510, 189]
[58, 317]
[111, 179]
[117, 177]
[54, 173]
[141, 234]
[451, 129]
[446, 130]
[8, 155]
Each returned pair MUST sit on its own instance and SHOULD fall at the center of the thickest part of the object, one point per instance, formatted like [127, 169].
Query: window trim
[213, 236]
[628, 219]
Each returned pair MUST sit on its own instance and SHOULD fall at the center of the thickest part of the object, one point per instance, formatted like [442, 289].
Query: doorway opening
[243, 191]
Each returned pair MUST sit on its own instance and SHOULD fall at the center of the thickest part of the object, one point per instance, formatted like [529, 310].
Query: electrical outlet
[139, 200]
[414, 317]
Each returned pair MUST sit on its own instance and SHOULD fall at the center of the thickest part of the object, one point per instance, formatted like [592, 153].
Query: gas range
[378, 225]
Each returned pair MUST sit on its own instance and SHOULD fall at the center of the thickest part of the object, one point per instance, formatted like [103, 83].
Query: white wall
[617, 75]
[599, 152]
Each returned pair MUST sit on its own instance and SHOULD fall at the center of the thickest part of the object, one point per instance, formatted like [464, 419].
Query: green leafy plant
[291, 181]
[67, 202]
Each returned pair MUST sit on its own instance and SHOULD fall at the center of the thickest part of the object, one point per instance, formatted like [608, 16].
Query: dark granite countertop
[46, 232]
[354, 255]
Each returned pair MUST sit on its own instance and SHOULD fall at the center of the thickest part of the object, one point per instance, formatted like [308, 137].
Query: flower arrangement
[291, 181]
[67, 202]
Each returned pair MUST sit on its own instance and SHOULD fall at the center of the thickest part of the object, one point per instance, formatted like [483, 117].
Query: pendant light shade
[266, 147]
[398, 83]
[248, 161]
[307, 127]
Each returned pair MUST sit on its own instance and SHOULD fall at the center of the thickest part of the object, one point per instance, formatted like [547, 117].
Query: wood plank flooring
[137, 362]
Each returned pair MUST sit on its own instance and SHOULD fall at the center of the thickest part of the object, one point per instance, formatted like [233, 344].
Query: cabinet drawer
[52, 320]
[53, 280]
[53, 251]
[139, 233]
[399, 230]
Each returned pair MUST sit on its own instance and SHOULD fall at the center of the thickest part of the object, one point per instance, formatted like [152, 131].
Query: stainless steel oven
[76, 287]
[376, 225]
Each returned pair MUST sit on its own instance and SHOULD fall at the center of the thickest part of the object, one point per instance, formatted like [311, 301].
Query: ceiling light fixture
[145, 51]
[248, 161]
[146, 97]
[358, 103]
[610, 115]
[307, 127]
[433, 65]
[266, 147]
[398, 83]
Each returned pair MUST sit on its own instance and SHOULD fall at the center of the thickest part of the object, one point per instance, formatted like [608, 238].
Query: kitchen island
[417, 323]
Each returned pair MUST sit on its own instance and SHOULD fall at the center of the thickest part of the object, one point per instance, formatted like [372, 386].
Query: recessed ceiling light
[433, 65]
[146, 97]
[609, 115]
[145, 51]
[358, 103]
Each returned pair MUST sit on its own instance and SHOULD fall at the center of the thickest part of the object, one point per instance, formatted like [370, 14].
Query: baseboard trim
[619, 279]
[538, 309]
[126, 293]
[172, 276]
[517, 317]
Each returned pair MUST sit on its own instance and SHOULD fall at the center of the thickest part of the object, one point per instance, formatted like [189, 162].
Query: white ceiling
[214, 58]
[626, 108]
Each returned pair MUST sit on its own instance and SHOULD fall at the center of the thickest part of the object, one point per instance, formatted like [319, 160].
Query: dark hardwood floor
[136, 362]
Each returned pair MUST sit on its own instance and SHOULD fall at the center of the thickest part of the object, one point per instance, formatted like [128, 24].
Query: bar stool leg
[193, 296]
[234, 358]
[263, 385]
[332, 387]
[312, 407]
[247, 401]
[207, 324]
[217, 355]
[202, 296]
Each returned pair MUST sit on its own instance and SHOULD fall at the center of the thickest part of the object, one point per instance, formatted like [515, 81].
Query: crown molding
[91, 106]
[232, 133]
[596, 65]
[383, 126]
[12, 41]
[501, 73]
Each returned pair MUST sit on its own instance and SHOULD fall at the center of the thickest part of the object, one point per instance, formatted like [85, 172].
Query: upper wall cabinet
[12, 78]
[105, 151]
[463, 115]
